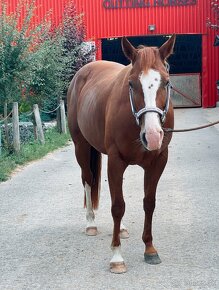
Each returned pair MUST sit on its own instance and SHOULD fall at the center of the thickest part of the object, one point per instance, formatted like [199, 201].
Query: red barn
[195, 63]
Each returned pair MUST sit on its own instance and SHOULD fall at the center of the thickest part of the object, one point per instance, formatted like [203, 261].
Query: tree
[74, 32]
[36, 64]
[14, 46]
[26, 61]
[213, 22]
[69, 37]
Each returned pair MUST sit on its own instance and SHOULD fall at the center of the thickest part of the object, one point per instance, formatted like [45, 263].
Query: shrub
[36, 64]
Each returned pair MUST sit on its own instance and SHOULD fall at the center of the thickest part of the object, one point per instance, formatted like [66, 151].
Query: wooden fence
[37, 121]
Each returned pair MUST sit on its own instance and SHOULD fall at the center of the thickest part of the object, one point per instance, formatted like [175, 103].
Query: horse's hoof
[118, 267]
[152, 259]
[91, 231]
[124, 234]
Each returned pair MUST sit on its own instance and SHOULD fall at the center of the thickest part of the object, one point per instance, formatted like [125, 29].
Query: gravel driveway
[42, 221]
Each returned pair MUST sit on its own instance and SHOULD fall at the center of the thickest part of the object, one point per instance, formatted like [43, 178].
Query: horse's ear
[128, 50]
[167, 48]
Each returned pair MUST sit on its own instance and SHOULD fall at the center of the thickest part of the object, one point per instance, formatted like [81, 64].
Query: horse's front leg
[151, 178]
[116, 168]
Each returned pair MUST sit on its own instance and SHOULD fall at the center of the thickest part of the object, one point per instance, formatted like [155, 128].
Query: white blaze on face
[151, 125]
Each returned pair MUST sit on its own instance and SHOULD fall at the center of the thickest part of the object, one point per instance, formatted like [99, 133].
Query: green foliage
[46, 83]
[74, 33]
[36, 64]
[31, 151]
[15, 53]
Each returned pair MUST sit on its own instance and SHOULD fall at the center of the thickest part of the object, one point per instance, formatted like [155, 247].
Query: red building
[195, 63]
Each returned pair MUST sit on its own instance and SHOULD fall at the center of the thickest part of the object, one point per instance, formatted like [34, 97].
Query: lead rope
[170, 130]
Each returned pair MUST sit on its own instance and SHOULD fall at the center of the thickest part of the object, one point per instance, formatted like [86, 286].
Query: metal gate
[186, 90]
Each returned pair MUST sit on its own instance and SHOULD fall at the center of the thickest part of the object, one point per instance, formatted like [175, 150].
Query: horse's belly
[91, 121]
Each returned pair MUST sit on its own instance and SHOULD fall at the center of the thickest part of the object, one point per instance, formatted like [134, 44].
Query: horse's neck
[122, 79]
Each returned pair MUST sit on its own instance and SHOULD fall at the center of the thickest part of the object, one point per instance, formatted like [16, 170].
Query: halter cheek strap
[161, 113]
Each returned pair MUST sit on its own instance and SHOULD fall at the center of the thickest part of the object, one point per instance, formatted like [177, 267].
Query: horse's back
[88, 94]
[99, 71]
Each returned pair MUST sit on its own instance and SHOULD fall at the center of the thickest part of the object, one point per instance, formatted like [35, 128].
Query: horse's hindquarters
[92, 91]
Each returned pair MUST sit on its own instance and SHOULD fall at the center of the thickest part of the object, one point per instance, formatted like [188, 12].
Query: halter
[161, 113]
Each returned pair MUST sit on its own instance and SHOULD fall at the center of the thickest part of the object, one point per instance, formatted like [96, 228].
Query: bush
[74, 32]
[18, 53]
[36, 64]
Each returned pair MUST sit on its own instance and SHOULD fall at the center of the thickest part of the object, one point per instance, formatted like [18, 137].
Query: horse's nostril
[143, 140]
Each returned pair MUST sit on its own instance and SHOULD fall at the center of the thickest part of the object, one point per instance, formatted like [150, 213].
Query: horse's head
[148, 81]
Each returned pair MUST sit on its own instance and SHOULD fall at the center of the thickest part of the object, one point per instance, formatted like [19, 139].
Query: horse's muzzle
[152, 140]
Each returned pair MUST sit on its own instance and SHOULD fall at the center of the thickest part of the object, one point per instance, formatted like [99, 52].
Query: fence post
[58, 117]
[15, 126]
[6, 125]
[63, 118]
[38, 124]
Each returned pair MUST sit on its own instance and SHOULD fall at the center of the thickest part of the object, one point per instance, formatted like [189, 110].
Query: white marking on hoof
[90, 220]
[124, 234]
[90, 217]
[117, 265]
[91, 231]
[118, 268]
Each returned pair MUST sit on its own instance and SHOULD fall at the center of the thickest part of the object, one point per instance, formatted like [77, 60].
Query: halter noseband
[161, 113]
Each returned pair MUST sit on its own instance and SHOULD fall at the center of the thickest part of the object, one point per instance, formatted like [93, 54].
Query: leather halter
[161, 113]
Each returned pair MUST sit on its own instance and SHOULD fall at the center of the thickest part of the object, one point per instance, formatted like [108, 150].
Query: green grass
[31, 151]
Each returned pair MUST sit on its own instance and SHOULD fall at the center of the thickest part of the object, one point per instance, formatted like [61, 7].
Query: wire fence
[28, 114]
[3, 120]
[50, 112]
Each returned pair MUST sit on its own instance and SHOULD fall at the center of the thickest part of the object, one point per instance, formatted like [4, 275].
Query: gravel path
[42, 220]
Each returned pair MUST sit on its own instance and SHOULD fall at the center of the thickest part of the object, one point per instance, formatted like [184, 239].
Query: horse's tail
[95, 166]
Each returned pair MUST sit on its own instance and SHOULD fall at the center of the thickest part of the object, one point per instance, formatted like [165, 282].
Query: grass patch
[31, 151]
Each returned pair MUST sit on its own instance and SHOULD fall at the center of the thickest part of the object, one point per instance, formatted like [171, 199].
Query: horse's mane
[150, 58]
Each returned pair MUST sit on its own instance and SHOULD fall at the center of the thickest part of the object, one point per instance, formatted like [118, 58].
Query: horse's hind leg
[90, 162]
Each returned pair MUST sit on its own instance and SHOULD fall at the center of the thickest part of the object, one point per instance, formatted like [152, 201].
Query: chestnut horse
[121, 111]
